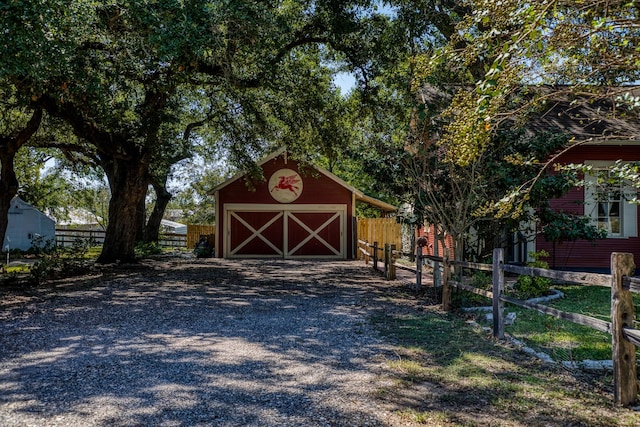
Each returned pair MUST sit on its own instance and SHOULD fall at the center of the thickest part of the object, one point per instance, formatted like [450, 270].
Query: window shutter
[590, 205]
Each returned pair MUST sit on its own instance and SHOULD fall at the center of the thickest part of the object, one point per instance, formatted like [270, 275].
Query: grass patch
[425, 418]
[563, 340]
[93, 252]
[451, 372]
[17, 269]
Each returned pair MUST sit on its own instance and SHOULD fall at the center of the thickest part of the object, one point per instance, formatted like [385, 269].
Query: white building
[26, 223]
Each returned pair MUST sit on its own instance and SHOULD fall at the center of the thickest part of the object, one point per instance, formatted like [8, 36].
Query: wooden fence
[66, 238]
[625, 338]
[196, 231]
[381, 230]
[374, 253]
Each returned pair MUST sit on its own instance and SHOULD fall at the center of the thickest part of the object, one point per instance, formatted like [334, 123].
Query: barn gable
[295, 213]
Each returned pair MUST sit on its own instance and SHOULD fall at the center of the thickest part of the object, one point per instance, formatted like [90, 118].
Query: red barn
[295, 213]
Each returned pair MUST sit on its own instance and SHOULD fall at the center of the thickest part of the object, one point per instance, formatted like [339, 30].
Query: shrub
[533, 286]
[202, 249]
[144, 249]
[58, 261]
[40, 245]
[481, 280]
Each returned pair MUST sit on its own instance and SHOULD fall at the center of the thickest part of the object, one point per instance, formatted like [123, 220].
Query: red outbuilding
[295, 213]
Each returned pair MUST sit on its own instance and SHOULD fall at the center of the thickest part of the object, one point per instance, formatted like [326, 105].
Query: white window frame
[628, 212]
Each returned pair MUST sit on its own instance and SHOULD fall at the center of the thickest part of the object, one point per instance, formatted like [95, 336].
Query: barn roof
[19, 205]
[360, 196]
[595, 116]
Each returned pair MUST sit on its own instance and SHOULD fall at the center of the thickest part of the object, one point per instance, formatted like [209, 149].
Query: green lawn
[449, 372]
[562, 340]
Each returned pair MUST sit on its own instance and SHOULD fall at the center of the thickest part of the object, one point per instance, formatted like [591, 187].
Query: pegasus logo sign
[285, 185]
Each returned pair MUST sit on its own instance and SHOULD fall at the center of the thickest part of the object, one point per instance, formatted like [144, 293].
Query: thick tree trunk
[141, 216]
[8, 189]
[128, 181]
[9, 146]
[152, 230]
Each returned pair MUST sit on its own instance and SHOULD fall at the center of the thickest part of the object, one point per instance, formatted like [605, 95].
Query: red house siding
[429, 233]
[582, 254]
[318, 189]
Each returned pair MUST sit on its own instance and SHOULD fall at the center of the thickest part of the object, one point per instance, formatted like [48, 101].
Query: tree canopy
[135, 88]
[135, 81]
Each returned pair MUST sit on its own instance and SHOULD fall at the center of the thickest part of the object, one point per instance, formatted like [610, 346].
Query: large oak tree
[18, 124]
[122, 75]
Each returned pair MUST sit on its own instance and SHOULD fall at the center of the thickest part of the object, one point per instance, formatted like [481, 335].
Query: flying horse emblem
[287, 183]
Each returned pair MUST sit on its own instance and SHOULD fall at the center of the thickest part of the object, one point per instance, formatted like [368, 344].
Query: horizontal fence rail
[631, 284]
[579, 319]
[589, 279]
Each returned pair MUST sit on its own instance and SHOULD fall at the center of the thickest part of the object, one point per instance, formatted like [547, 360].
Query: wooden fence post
[387, 260]
[498, 287]
[446, 286]
[392, 266]
[418, 268]
[375, 255]
[366, 248]
[625, 386]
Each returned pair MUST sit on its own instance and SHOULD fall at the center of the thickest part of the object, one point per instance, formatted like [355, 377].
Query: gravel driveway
[198, 342]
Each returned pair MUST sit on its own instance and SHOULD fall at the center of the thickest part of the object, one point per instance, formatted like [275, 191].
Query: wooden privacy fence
[381, 230]
[195, 231]
[625, 337]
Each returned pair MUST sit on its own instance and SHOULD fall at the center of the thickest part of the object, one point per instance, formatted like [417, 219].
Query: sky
[345, 81]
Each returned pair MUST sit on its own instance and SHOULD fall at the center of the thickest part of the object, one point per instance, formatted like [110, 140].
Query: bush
[57, 261]
[40, 245]
[144, 249]
[533, 286]
[480, 280]
[202, 249]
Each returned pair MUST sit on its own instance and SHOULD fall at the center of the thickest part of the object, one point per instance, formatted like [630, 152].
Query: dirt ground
[210, 342]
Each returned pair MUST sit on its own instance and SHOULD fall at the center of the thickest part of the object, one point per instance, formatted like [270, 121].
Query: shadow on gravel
[204, 342]
[267, 343]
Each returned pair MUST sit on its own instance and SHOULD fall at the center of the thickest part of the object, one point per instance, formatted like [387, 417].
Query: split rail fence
[625, 337]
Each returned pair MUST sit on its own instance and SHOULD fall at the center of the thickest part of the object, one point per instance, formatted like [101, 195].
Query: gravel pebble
[197, 342]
